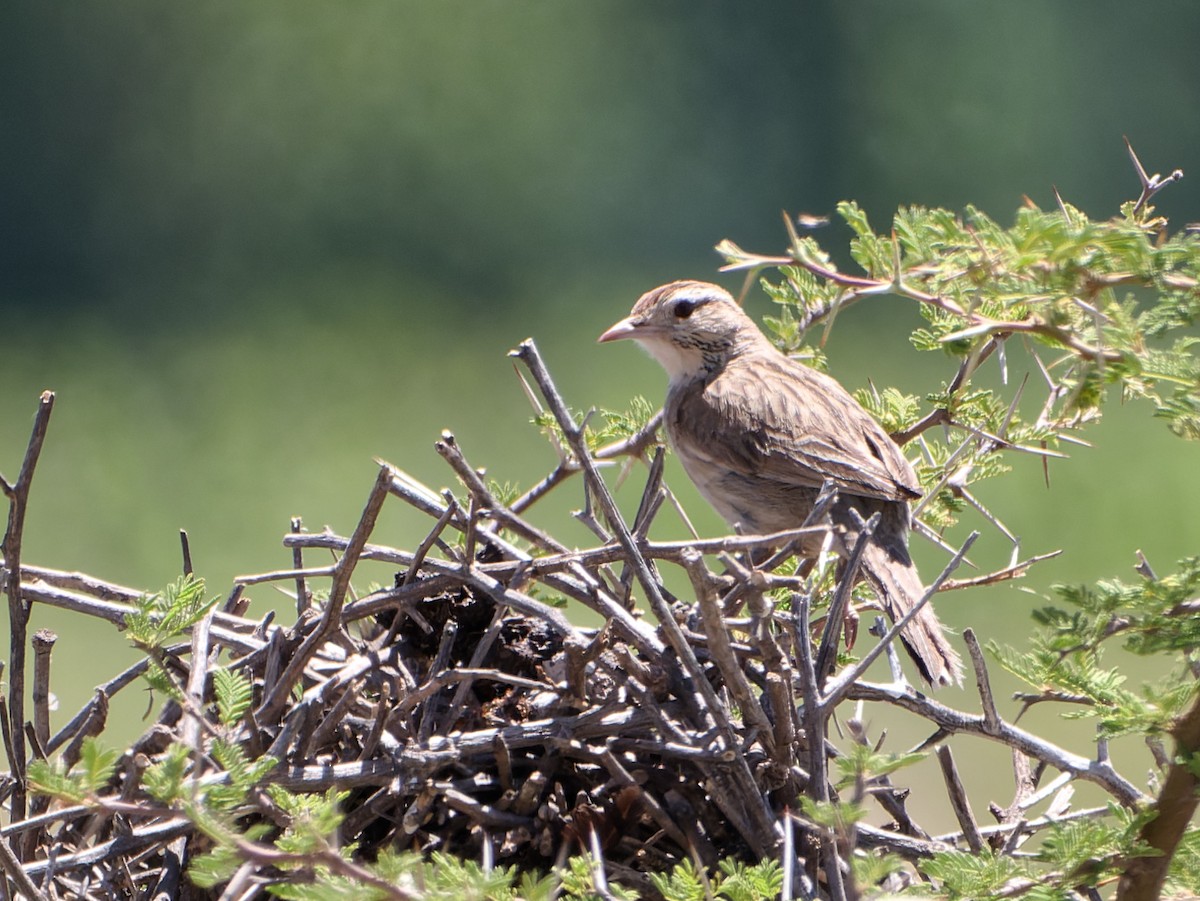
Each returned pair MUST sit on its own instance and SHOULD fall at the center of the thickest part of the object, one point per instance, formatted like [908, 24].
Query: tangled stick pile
[464, 712]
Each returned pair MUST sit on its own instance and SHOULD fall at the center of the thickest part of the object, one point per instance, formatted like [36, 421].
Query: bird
[759, 433]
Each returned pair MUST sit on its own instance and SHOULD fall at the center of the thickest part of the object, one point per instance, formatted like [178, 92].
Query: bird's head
[690, 327]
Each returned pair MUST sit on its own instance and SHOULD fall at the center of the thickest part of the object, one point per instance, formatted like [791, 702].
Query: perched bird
[759, 433]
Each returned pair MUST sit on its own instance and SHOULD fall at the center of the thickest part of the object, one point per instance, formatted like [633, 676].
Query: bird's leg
[850, 627]
[851, 619]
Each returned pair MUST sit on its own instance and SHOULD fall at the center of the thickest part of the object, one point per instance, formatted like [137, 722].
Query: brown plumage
[759, 433]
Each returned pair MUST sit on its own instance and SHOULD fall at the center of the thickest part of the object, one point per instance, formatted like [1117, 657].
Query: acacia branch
[1173, 808]
[953, 721]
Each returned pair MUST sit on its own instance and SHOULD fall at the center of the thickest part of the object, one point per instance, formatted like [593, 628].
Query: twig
[816, 718]
[303, 595]
[451, 452]
[1015, 571]
[43, 645]
[1143, 567]
[1029, 827]
[441, 662]
[92, 725]
[1151, 184]
[958, 800]
[186, 548]
[954, 721]
[854, 673]
[167, 886]
[633, 446]
[115, 613]
[197, 678]
[991, 719]
[131, 843]
[331, 614]
[18, 604]
[831, 635]
[478, 655]
[12, 867]
[430, 539]
[722, 652]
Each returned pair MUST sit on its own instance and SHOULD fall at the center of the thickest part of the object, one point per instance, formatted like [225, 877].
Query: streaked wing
[783, 421]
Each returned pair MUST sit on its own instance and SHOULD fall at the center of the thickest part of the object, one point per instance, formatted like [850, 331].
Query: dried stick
[778, 669]
[958, 800]
[477, 658]
[197, 677]
[429, 540]
[953, 721]
[991, 719]
[807, 538]
[854, 673]
[135, 841]
[166, 888]
[830, 637]
[1029, 827]
[441, 661]
[43, 645]
[633, 446]
[816, 718]
[82, 584]
[115, 613]
[452, 454]
[721, 650]
[186, 547]
[527, 352]
[18, 604]
[1015, 571]
[331, 616]
[480, 577]
[13, 869]
[303, 596]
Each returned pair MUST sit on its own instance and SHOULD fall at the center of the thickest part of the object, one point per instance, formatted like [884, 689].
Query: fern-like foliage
[1153, 616]
[84, 781]
[983, 875]
[166, 615]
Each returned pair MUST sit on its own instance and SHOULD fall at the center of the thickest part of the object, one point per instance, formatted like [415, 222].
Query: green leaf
[683, 883]
[965, 875]
[862, 761]
[168, 614]
[833, 815]
[739, 882]
[96, 764]
[234, 693]
[47, 779]
[164, 780]
[618, 425]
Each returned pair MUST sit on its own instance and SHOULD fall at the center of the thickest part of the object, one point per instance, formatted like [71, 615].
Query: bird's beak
[626, 328]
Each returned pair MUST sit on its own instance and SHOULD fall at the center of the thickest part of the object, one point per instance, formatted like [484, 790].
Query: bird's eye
[683, 309]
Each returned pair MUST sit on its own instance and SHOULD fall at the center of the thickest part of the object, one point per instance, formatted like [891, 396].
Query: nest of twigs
[466, 713]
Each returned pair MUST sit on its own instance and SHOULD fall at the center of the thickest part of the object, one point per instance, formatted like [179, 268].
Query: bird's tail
[895, 580]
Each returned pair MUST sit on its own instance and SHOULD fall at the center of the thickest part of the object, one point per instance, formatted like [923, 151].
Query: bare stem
[18, 604]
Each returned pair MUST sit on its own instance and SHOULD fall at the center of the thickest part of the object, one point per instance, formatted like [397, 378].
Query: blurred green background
[253, 246]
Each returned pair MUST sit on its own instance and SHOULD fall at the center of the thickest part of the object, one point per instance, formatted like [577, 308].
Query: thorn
[1062, 207]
